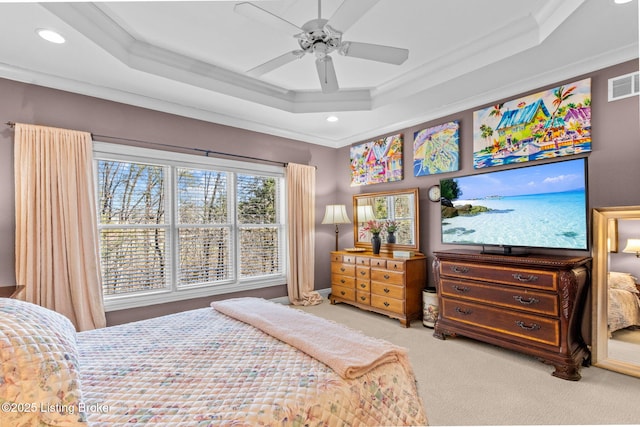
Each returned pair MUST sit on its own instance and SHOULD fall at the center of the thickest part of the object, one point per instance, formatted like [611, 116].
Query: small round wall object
[434, 193]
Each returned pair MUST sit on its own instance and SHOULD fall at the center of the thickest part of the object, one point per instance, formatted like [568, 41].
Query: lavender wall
[613, 165]
[38, 105]
[614, 172]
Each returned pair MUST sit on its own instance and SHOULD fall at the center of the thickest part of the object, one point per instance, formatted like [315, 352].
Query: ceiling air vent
[624, 86]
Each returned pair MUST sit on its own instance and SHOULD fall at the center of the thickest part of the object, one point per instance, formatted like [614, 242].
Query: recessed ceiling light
[332, 119]
[50, 35]
[622, 1]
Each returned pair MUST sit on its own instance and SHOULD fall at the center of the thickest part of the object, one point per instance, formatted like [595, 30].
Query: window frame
[169, 161]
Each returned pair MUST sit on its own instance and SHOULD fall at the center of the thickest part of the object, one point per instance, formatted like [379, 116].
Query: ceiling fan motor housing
[318, 38]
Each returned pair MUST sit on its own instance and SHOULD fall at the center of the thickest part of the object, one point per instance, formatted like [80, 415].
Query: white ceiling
[191, 58]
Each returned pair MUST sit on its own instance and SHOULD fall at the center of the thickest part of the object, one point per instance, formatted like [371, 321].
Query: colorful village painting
[377, 161]
[548, 124]
[436, 149]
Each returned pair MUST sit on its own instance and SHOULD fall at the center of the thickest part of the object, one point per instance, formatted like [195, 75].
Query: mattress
[201, 368]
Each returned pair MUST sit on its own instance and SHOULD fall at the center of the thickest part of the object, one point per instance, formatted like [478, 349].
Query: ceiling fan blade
[374, 52]
[275, 63]
[255, 13]
[327, 74]
[349, 12]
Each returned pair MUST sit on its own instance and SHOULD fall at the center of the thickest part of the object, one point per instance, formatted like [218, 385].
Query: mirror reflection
[394, 214]
[623, 288]
[617, 289]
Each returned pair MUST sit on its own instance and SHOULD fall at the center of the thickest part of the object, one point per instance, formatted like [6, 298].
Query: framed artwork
[548, 124]
[436, 149]
[377, 161]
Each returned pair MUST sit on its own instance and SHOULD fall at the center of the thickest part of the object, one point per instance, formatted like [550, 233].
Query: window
[175, 226]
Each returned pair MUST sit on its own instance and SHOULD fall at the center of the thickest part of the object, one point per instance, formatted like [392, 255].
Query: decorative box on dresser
[379, 283]
[532, 304]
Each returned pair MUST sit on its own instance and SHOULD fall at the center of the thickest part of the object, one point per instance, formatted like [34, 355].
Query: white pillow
[623, 281]
[39, 367]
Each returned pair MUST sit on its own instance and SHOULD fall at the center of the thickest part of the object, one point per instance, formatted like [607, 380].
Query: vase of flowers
[391, 227]
[374, 227]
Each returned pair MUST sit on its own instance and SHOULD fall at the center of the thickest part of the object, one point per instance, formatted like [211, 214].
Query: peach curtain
[57, 255]
[301, 193]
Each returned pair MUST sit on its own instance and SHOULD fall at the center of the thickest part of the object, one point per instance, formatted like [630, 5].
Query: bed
[624, 302]
[199, 368]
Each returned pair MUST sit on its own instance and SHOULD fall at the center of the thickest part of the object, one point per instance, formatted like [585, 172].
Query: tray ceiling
[191, 58]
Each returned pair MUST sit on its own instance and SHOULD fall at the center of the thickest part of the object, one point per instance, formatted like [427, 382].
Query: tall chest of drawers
[532, 304]
[379, 283]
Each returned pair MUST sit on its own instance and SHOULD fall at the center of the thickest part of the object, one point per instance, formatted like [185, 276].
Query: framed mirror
[616, 273]
[397, 208]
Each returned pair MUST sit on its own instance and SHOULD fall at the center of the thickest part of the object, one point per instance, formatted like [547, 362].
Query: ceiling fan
[321, 37]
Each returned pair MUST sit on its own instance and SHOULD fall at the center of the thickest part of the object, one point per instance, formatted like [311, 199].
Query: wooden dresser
[380, 283]
[532, 304]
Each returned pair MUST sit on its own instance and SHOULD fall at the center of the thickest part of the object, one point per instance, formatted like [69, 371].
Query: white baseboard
[285, 300]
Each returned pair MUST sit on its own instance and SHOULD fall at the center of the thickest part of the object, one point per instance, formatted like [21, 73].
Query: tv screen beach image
[537, 206]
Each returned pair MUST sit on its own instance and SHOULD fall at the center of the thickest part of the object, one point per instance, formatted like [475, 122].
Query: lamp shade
[633, 247]
[335, 214]
[365, 213]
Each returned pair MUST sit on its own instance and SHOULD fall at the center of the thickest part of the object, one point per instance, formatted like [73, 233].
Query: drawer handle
[362, 273]
[461, 288]
[342, 281]
[386, 290]
[458, 269]
[386, 304]
[533, 327]
[363, 298]
[386, 276]
[466, 312]
[342, 269]
[521, 278]
[526, 301]
[362, 285]
[342, 292]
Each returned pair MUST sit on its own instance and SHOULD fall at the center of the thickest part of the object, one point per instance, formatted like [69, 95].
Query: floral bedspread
[201, 368]
[623, 310]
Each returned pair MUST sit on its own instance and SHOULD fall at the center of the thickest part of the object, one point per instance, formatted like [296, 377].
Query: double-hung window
[175, 226]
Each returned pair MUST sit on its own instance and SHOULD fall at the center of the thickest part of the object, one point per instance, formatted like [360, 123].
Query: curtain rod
[200, 150]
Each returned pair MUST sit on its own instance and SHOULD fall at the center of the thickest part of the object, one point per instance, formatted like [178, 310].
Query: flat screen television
[538, 206]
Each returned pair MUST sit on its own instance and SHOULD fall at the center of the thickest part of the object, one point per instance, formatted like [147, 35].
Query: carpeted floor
[465, 382]
[625, 345]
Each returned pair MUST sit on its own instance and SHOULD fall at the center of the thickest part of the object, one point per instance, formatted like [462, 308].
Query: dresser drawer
[503, 322]
[387, 290]
[363, 285]
[362, 272]
[394, 265]
[377, 262]
[363, 297]
[394, 277]
[539, 279]
[342, 268]
[363, 260]
[343, 292]
[387, 303]
[346, 281]
[506, 296]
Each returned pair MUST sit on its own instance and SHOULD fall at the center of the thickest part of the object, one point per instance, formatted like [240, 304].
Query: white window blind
[176, 226]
